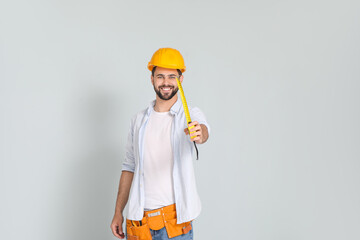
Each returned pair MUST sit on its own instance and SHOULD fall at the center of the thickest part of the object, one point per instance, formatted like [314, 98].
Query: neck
[164, 105]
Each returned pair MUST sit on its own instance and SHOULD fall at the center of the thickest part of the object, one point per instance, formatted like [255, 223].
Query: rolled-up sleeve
[129, 161]
[197, 115]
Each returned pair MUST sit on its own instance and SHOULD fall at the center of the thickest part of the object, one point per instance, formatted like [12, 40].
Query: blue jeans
[162, 235]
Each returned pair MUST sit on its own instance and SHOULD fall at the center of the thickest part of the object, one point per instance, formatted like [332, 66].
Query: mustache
[167, 86]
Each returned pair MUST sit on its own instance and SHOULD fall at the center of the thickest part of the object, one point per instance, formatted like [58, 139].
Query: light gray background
[277, 80]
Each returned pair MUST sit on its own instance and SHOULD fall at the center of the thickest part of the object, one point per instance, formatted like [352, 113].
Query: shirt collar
[173, 110]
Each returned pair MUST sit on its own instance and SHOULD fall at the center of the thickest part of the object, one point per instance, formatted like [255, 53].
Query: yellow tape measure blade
[183, 100]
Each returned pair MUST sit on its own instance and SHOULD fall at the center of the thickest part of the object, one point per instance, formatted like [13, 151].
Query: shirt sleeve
[129, 161]
[197, 115]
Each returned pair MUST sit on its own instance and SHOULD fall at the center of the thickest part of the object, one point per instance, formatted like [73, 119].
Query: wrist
[118, 212]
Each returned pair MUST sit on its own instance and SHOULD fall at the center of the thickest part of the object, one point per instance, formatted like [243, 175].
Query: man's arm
[122, 198]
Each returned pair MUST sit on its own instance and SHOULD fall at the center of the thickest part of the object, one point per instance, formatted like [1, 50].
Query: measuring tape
[187, 113]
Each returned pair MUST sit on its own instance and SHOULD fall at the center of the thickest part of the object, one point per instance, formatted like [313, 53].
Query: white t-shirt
[158, 161]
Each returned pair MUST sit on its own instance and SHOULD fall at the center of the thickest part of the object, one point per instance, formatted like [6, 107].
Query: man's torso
[158, 161]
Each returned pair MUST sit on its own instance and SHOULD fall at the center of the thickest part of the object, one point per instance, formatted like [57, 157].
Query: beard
[166, 96]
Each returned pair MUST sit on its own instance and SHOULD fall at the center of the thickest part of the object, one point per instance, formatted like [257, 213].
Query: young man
[158, 166]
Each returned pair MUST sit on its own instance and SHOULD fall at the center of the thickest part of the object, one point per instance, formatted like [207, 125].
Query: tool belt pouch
[173, 229]
[137, 232]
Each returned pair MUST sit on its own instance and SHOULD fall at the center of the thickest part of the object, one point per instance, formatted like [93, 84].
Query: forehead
[165, 71]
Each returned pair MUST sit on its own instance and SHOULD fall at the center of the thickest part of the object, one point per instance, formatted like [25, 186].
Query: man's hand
[199, 131]
[116, 226]
[122, 198]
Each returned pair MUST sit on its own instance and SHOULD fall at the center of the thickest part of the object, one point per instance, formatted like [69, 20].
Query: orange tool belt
[156, 220]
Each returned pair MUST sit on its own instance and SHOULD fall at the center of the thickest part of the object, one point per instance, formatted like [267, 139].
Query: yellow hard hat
[167, 58]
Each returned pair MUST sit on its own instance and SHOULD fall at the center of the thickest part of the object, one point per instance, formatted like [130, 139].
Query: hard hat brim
[151, 66]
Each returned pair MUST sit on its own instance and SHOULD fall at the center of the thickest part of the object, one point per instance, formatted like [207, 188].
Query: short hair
[153, 71]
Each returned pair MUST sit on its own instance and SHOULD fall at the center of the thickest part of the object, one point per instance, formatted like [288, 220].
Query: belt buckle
[154, 214]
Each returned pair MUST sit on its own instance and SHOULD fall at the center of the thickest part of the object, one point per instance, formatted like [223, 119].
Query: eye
[172, 77]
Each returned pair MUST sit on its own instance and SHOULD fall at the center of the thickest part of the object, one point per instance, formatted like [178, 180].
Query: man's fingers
[120, 232]
[193, 123]
[195, 133]
[196, 128]
[117, 231]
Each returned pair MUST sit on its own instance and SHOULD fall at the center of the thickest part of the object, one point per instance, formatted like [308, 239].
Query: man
[158, 166]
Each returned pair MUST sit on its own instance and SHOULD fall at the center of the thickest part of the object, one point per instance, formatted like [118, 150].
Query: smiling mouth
[166, 89]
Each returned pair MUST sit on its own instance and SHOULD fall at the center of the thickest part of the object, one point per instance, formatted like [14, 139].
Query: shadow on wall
[90, 186]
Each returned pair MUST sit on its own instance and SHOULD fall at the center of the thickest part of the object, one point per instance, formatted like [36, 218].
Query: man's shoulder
[137, 117]
[140, 113]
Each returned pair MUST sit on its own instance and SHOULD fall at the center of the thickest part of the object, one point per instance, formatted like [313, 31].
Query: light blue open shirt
[188, 205]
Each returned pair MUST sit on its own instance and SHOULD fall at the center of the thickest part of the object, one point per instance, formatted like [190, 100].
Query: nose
[167, 82]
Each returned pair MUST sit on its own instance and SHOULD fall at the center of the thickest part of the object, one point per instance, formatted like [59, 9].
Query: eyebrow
[164, 75]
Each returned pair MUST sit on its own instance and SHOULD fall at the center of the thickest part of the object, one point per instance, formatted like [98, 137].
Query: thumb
[117, 231]
[186, 130]
[120, 231]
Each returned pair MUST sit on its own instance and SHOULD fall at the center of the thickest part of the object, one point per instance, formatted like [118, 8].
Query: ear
[152, 80]
[181, 78]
